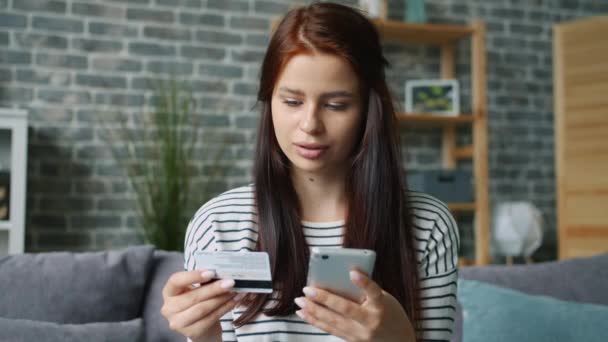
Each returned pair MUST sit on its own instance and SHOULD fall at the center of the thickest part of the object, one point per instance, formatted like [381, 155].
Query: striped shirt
[229, 223]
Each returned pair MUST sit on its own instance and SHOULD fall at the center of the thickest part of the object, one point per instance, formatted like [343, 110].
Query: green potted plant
[157, 155]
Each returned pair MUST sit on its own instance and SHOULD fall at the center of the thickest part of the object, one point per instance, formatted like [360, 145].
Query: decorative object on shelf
[439, 97]
[159, 159]
[415, 11]
[375, 8]
[5, 184]
[518, 230]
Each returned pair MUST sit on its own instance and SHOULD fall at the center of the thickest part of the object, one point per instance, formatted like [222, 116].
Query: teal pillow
[492, 313]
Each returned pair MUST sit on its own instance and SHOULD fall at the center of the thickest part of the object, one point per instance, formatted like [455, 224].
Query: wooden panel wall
[581, 135]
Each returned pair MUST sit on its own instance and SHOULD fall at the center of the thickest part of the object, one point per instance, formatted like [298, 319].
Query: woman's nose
[311, 122]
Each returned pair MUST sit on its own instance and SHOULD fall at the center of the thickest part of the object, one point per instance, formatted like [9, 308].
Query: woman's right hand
[195, 312]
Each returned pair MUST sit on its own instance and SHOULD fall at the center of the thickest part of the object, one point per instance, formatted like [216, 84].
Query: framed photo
[439, 97]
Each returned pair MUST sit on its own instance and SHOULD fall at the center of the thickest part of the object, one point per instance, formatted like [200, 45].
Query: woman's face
[316, 112]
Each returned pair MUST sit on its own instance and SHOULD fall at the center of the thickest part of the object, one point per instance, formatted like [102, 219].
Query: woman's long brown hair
[378, 212]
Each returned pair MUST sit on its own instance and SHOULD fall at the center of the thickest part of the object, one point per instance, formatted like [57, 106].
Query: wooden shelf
[462, 207]
[434, 34]
[434, 120]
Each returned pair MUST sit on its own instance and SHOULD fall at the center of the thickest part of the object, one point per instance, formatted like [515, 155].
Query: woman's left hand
[379, 317]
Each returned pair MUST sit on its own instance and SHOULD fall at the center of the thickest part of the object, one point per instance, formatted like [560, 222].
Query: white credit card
[250, 270]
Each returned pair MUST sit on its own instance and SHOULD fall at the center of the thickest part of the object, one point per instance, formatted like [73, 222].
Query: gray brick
[57, 24]
[65, 97]
[221, 71]
[4, 38]
[509, 42]
[167, 33]
[40, 5]
[54, 135]
[16, 94]
[116, 64]
[215, 86]
[255, 39]
[89, 186]
[93, 152]
[521, 58]
[247, 56]
[120, 100]
[49, 222]
[114, 240]
[460, 9]
[271, 7]
[101, 81]
[55, 114]
[139, 2]
[62, 204]
[150, 49]
[247, 89]
[166, 67]
[115, 204]
[201, 19]
[163, 16]
[37, 40]
[180, 3]
[95, 221]
[52, 77]
[527, 30]
[13, 20]
[219, 37]
[224, 105]
[507, 13]
[229, 5]
[250, 122]
[114, 30]
[98, 10]
[249, 23]
[50, 185]
[203, 53]
[6, 75]
[61, 61]
[245, 153]
[215, 120]
[96, 45]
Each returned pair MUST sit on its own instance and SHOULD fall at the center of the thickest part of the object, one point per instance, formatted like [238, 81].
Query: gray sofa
[116, 295]
[583, 280]
[88, 296]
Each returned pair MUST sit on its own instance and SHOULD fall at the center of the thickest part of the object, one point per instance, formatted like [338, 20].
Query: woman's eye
[291, 103]
[337, 106]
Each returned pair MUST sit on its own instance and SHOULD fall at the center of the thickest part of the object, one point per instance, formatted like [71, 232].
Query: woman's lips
[310, 151]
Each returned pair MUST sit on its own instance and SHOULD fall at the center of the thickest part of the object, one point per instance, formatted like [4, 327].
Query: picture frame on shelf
[433, 96]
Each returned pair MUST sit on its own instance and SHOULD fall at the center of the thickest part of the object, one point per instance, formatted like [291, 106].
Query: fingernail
[226, 284]
[238, 297]
[300, 301]
[309, 292]
[301, 314]
[354, 275]
[208, 274]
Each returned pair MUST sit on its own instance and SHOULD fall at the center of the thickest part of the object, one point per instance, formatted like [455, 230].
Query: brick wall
[67, 60]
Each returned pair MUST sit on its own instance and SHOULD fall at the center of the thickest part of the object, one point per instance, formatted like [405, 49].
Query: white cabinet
[13, 173]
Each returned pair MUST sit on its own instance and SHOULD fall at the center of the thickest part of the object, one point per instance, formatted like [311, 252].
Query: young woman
[327, 173]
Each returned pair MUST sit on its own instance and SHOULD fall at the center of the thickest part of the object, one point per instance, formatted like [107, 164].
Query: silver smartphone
[329, 269]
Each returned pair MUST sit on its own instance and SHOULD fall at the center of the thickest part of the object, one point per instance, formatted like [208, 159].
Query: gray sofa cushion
[578, 279]
[75, 288]
[20, 330]
[157, 327]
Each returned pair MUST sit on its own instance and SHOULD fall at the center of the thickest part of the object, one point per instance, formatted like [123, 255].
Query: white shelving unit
[13, 158]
